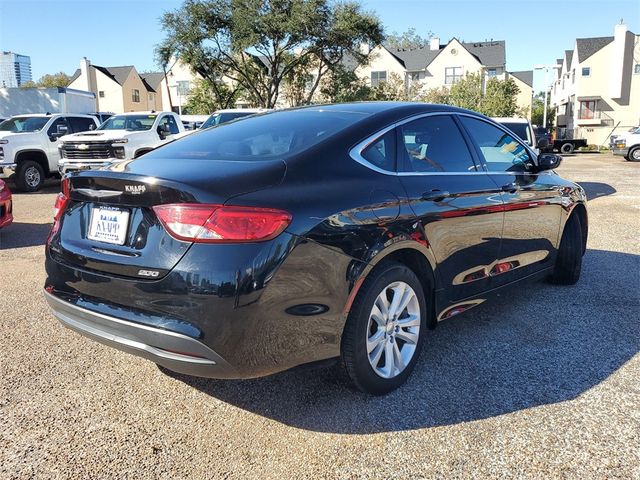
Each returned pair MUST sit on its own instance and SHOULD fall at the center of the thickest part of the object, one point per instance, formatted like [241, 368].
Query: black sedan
[339, 231]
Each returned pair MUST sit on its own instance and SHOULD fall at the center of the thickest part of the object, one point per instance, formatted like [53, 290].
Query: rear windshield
[520, 129]
[267, 136]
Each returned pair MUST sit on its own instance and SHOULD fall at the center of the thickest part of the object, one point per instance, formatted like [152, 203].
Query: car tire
[30, 176]
[569, 260]
[380, 349]
[634, 154]
[566, 148]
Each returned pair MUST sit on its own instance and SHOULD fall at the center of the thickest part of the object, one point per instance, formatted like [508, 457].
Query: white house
[597, 89]
[117, 89]
[442, 65]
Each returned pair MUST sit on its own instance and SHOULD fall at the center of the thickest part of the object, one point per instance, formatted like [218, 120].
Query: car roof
[510, 119]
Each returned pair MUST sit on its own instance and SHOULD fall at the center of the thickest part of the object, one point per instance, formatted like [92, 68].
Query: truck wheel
[567, 148]
[30, 176]
[634, 154]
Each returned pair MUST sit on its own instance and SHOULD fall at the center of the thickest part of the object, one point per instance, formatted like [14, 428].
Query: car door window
[81, 124]
[434, 144]
[501, 151]
[382, 152]
[59, 122]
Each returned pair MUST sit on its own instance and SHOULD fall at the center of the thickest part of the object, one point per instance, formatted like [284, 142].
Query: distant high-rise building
[15, 70]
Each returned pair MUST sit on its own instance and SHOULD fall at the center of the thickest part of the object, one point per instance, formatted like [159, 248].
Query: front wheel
[634, 154]
[30, 176]
[385, 329]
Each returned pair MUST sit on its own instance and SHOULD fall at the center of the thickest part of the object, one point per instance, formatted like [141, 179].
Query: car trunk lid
[109, 225]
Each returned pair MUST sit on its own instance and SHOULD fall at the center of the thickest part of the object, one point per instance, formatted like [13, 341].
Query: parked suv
[121, 137]
[29, 145]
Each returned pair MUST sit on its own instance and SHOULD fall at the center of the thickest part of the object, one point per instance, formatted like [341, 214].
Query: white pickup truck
[29, 145]
[627, 145]
[121, 137]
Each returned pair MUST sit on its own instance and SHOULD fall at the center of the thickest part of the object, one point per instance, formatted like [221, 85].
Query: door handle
[435, 195]
[512, 187]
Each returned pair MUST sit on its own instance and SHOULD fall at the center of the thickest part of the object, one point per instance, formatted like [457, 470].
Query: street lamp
[546, 69]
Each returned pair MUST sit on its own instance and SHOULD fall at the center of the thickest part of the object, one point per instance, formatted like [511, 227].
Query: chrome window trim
[356, 152]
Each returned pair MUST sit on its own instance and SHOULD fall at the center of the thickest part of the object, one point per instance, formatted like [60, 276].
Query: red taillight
[61, 200]
[221, 224]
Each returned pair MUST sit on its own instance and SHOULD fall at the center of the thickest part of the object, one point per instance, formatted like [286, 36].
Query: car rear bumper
[173, 350]
[7, 170]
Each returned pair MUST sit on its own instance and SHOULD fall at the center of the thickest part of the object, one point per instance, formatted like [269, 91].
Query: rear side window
[382, 152]
[434, 144]
[262, 137]
[501, 151]
[81, 124]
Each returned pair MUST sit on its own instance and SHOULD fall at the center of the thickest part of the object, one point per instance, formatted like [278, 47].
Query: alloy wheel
[393, 329]
[32, 177]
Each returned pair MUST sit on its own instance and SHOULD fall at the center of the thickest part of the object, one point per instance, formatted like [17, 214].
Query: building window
[135, 95]
[101, 93]
[587, 109]
[586, 71]
[573, 76]
[377, 77]
[636, 68]
[452, 75]
[183, 88]
[492, 72]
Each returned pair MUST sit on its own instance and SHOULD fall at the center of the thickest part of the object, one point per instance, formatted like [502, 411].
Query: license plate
[108, 225]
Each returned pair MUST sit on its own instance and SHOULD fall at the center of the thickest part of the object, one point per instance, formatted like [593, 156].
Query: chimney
[617, 60]
[434, 43]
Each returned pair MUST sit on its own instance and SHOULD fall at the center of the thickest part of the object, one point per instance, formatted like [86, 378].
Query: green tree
[59, 79]
[537, 111]
[408, 40]
[206, 97]
[259, 43]
[436, 95]
[343, 85]
[496, 98]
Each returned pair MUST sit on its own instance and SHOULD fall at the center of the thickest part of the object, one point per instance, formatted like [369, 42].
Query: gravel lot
[542, 382]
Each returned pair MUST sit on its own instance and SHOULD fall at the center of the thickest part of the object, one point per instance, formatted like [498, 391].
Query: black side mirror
[548, 161]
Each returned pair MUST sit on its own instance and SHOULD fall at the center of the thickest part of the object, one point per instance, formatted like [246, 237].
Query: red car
[5, 205]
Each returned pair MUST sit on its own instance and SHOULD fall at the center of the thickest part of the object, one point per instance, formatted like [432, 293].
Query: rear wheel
[385, 329]
[30, 176]
[569, 261]
[634, 154]
[566, 148]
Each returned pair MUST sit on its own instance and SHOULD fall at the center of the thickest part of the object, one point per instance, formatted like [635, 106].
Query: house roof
[487, 53]
[568, 55]
[152, 80]
[589, 46]
[525, 76]
[117, 74]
